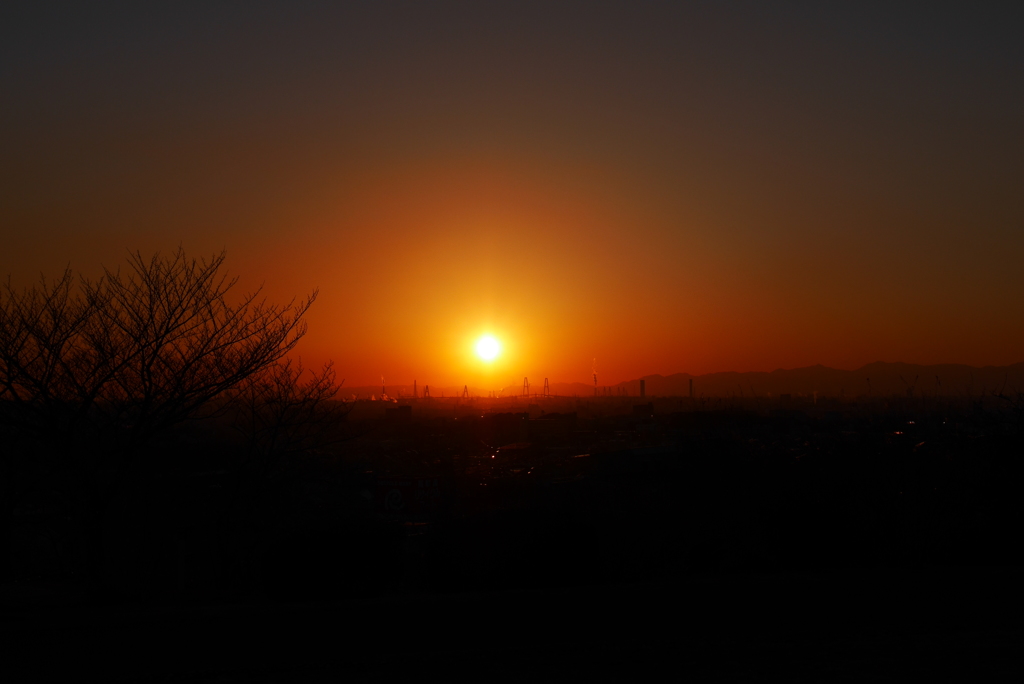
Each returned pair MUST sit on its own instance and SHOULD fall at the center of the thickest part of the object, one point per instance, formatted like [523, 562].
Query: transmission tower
[426, 391]
[526, 387]
[547, 388]
[465, 391]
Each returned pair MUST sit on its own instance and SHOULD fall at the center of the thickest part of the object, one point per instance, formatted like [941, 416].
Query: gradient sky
[716, 187]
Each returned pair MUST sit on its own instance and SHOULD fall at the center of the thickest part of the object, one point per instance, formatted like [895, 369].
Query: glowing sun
[488, 348]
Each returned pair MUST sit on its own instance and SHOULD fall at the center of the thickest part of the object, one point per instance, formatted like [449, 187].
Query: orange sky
[728, 193]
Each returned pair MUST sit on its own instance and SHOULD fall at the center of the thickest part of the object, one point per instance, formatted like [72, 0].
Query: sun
[488, 348]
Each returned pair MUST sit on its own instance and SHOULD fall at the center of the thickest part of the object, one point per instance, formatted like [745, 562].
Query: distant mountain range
[876, 379]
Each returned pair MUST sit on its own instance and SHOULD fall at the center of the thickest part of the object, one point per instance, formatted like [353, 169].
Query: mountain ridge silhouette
[880, 378]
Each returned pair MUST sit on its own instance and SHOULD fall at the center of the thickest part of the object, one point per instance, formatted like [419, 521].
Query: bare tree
[50, 369]
[178, 341]
[97, 369]
[282, 414]
[47, 372]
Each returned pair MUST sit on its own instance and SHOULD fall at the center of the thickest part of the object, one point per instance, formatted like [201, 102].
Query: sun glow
[488, 348]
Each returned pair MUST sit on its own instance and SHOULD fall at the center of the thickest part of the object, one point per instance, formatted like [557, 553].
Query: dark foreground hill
[814, 627]
[734, 539]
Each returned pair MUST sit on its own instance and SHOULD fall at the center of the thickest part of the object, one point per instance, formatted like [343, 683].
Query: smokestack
[643, 389]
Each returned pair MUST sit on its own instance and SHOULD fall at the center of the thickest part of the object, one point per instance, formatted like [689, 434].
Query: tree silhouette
[93, 371]
[281, 414]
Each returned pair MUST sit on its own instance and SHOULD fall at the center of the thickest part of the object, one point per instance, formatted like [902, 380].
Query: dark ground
[807, 540]
[868, 626]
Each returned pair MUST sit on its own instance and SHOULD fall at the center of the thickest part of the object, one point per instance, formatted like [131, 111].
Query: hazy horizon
[888, 378]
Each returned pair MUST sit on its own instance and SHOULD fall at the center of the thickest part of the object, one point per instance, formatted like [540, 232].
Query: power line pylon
[547, 388]
[526, 387]
[426, 391]
[465, 392]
